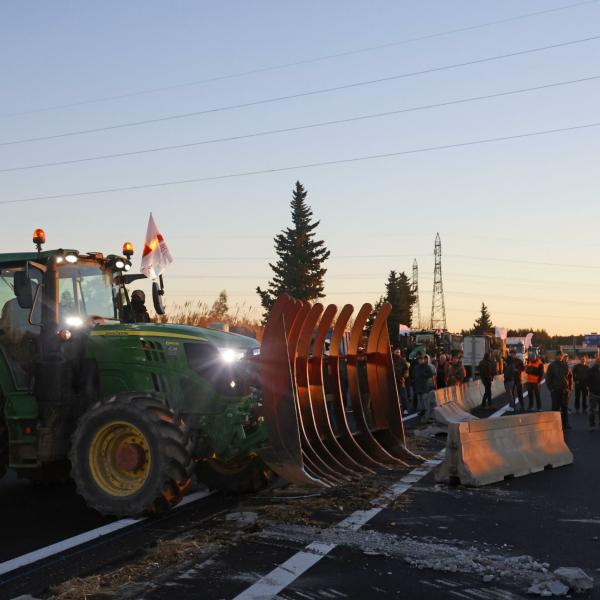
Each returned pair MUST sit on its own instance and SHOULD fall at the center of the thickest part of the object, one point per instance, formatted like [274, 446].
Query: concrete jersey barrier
[455, 403]
[485, 451]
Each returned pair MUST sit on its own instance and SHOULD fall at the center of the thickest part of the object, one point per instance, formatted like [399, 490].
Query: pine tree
[399, 292]
[298, 270]
[220, 308]
[484, 323]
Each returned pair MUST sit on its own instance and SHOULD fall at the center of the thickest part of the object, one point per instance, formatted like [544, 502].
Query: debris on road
[551, 587]
[450, 556]
[577, 579]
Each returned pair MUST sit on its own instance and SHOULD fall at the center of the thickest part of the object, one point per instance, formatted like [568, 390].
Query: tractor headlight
[71, 258]
[120, 264]
[231, 355]
[74, 321]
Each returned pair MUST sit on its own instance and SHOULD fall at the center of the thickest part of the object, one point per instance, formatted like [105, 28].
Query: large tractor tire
[131, 456]
[242, 476]
[3, 441]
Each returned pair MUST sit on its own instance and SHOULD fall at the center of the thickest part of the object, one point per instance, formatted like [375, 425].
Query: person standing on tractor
[580, 372]
[486, 372]
[535, 374]
[559, 381]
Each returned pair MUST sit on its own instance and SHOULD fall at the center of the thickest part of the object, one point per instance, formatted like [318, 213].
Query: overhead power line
[299, 166]
[301, 62]
[302, 127]
[299, 94]
[524, 262]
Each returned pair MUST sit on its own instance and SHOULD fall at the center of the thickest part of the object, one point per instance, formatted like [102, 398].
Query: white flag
[156, 255]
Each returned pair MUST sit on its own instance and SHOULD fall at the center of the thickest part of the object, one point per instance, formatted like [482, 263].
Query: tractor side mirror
[157, 298]
[22, 288]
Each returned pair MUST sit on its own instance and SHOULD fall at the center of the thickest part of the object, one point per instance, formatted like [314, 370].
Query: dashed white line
[82, 538]
[285, 574]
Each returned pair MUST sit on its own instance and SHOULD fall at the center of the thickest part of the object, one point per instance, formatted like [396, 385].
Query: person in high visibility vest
[535, 374]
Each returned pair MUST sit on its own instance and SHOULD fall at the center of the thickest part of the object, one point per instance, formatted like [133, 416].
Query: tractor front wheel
[131, 455]
[242, 476]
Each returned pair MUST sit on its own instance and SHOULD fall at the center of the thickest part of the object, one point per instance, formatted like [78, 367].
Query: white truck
[474, 347]
[520, 345]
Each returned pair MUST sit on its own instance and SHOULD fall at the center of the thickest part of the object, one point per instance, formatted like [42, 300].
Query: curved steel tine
[311, 455]
[325, 417]
[318, 403]
[284, 455]
[337, 372]
[385, 401]
[335, 469]
[387, 364]
[365, 437]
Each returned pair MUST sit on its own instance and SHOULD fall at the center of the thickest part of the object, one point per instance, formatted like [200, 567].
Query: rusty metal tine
[313, 418]
[318, 399]
[389, 385]
[383, 399]
[365, 436]
[297, 316]
[284, 455]
[311, 455]
[306, 417]
[335, 368]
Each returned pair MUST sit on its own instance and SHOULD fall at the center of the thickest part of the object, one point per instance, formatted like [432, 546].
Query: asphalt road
[34, 515]
[552, 516]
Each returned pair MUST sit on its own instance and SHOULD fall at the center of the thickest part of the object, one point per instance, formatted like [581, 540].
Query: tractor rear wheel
[3, 441]
[249, 474]
[131, 455]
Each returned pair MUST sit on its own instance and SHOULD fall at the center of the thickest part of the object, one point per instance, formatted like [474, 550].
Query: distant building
[592, 340]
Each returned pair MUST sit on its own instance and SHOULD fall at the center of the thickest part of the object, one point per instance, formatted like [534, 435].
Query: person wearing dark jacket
[457, 373]
[509, 381]
[535, 374]
[443, 371]
[593, 385]
[559, 381]
[519, 370]
[136, 312]
[580, 371]
[486, 372]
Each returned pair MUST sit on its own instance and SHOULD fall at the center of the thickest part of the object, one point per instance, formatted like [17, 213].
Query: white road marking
[82, 538]
[504, 408]
[409, 417]
[286, 573]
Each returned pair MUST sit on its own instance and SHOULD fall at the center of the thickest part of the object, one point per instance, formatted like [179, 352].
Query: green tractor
[130, 410]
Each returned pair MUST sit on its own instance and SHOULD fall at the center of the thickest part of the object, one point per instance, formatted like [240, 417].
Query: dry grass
[241, 318]
[166, 553]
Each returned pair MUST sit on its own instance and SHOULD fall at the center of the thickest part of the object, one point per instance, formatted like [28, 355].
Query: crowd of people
[418, 379]
[583, 380]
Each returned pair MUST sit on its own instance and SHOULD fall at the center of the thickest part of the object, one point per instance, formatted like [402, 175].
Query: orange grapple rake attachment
[330, 417]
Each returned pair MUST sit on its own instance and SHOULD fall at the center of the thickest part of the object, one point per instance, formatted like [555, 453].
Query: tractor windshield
[85, 290]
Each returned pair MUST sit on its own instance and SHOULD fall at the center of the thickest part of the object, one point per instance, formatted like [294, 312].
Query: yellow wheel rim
[120, 458]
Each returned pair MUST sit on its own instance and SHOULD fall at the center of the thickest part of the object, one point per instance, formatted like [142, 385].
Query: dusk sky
[518, 218]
